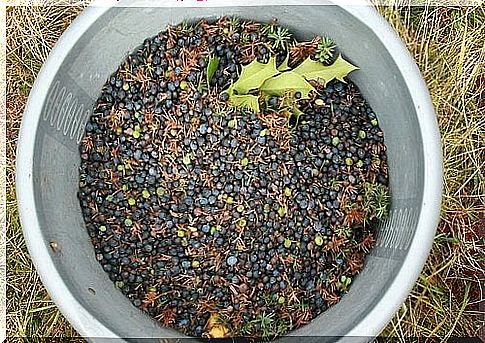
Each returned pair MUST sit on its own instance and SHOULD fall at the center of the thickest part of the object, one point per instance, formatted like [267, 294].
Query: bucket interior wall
[99, 52]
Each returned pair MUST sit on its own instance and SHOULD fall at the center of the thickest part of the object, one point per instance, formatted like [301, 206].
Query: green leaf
[211, 68]
[246, 102]
[254, 75]
[296, 111]
[284, 66]
[314, 70]
[287, 82]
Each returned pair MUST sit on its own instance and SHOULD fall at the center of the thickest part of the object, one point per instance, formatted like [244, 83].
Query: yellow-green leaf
[314, 70]
[253, 75]
[284, 66]
[296, 111]
[246, 102]
[287, 82]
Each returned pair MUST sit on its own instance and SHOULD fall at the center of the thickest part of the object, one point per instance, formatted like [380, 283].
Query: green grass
[448, 46]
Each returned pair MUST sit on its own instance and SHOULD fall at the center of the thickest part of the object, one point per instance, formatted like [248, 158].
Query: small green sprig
[280, 38]
[376, 200]
[325, 50]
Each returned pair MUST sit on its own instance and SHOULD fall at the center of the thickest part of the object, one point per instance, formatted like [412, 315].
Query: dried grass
[449, 48]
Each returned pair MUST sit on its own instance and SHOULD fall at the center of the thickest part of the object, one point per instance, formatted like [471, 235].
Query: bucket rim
[371, 325]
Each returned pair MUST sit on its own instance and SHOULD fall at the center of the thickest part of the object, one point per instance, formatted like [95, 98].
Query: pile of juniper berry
[221, 222]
